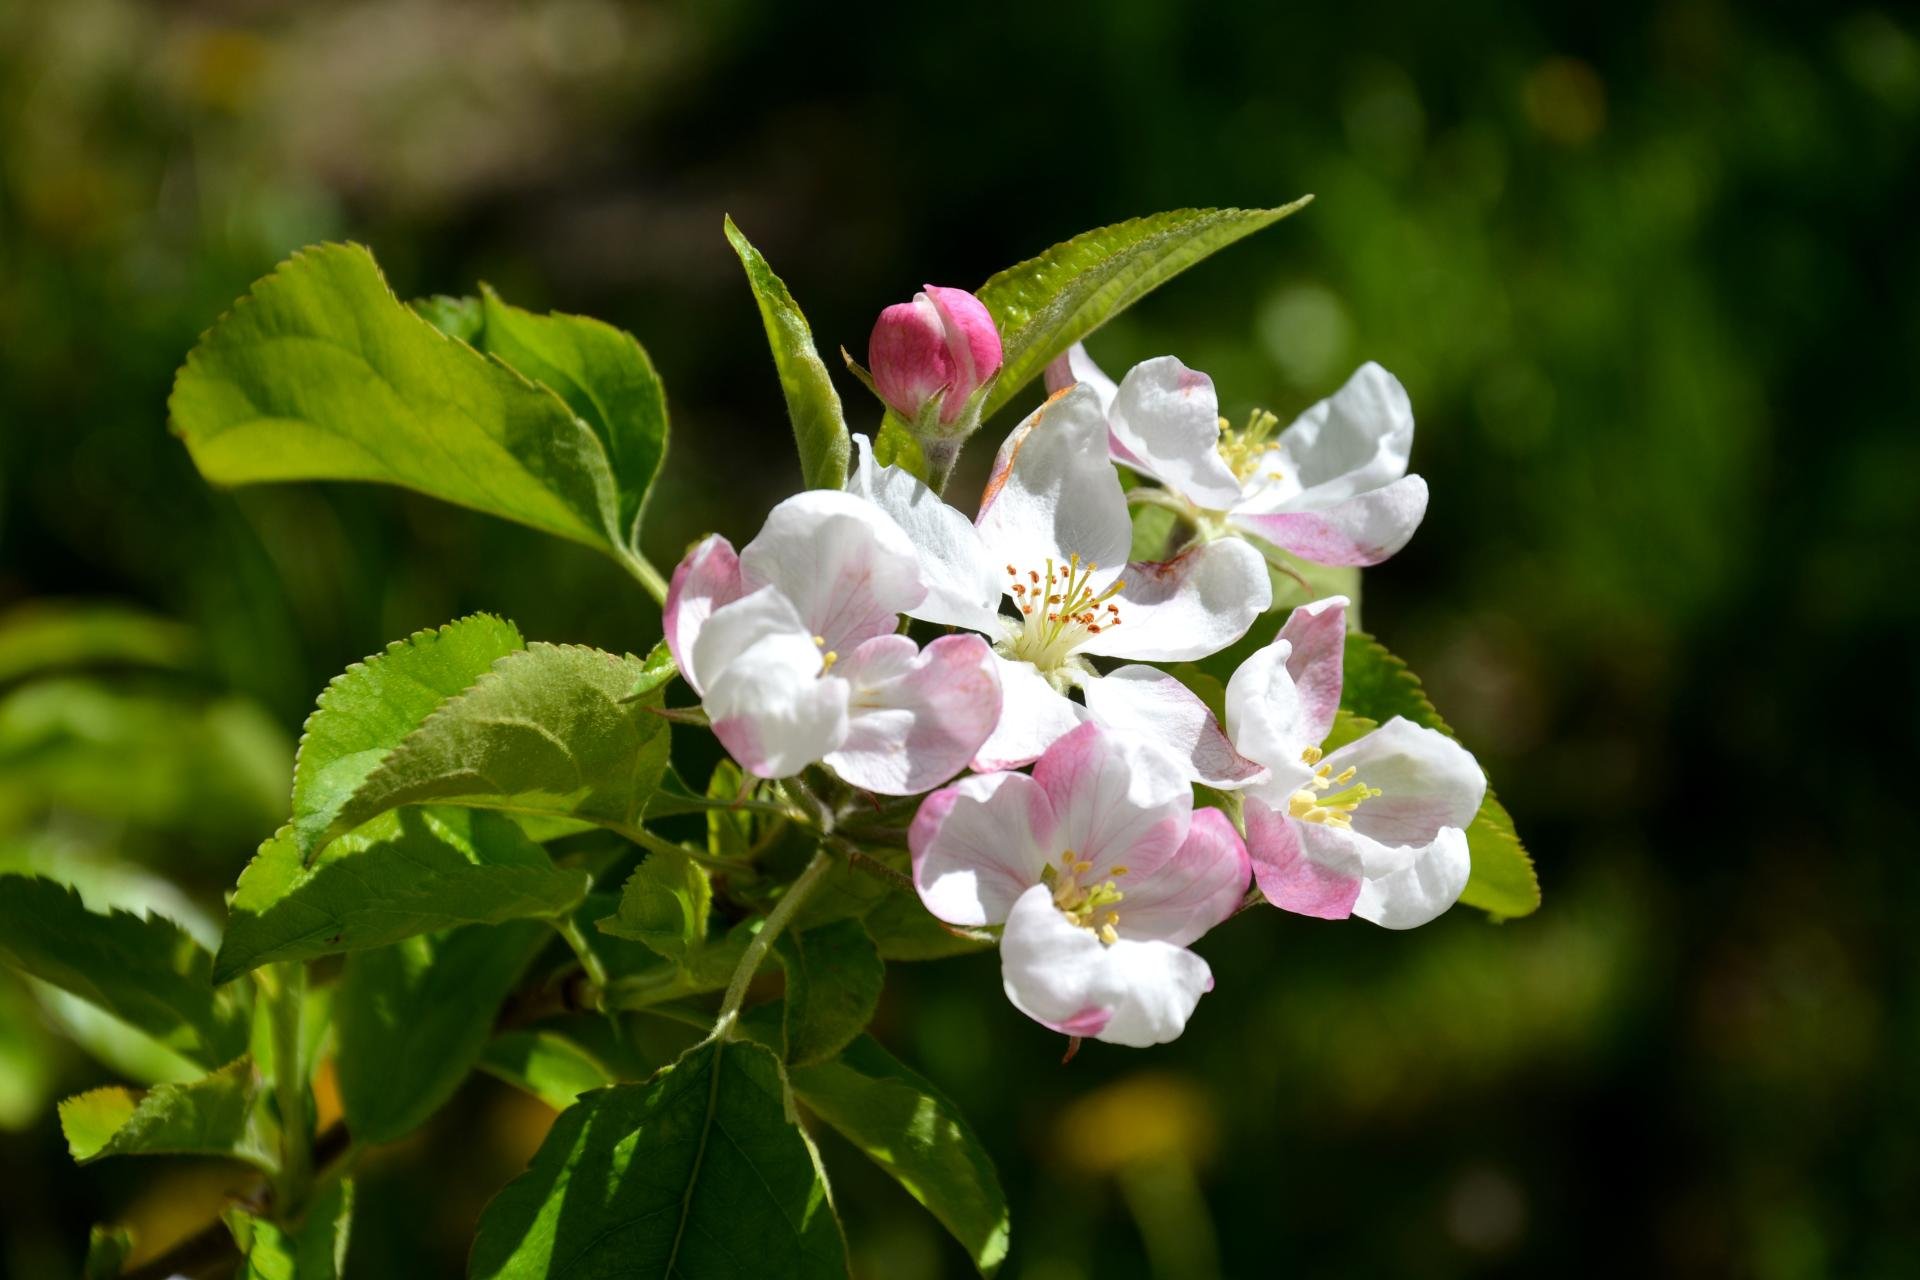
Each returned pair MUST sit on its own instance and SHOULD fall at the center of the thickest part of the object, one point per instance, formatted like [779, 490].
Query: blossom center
[1319, 801]
[827, 656]
[1083, 897]
[1059, 610]
[1245, 451]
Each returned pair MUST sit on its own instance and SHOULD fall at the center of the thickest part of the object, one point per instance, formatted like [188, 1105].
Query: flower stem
[783, 911]
[569, 928]
[284, 1003]
[644, 573]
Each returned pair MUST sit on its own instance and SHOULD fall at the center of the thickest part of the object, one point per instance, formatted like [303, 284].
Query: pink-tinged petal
[908, 355]
[773, 711]
[1202, 884]
[1167, 416]
[1427, 782]
[1120, 799]
[846, 566]
[973, 345]
[1355, 440]
[1361, 530]
[737, 626]
[979, 844]
[1146, 701]
[706, 579]
[1195, 604]
[1422, 890]
[1075, 366]
[917, 716]
[963, 584]
[1033, 716]
[1062, 976]
[1288, 878]
[1054, 493]
[1267, 719]
[1318, 634]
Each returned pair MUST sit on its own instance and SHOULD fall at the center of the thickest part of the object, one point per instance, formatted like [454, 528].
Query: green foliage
[48, 634]
[1378, 686]
[910, 1129]
[665, 905]
[1046, 304]
[895, 445]
[108, 1249]
[211, 1116]
[320, 373]
[819, 427]
[370, 708]
[699, 1172]
[412, 1019]
[552, 729]
[834, 976]
[144, 971]
[546, 1064]
[903, 929]
[403, 874]
[313, 1249]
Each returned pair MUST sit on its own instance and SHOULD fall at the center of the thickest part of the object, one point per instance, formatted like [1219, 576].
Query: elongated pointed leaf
[546, 1064]
[314, 1248]
[320, 373]
[664, 904]
[819, 426]
[699, 1173]
[834, 976]
[1379, 686]
[551, 730]
[144, 971]
[410, 1020]
[406, 873]
[49, 634]
[371, 707]
[1046, 304]
[910, 1129]
[211, 1116]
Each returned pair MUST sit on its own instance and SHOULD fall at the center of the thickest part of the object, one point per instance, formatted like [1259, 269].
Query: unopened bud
[943, 344]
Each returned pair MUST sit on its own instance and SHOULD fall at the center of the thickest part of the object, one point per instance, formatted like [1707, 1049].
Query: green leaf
[665, 905]
[314, 1249]
[49, 634]
[549, 730]
[456, 317]
[730, 831]
[698, 1173]
[404, 874]
[108, 1248]
[903, 929]
[819, 427]
[546, 1064]
[410, 1020]
[834, 976]
[367, 710]
[915, 1133]
[211, 1116]
[1379, 686]
[144, 971]
[1046, 304]
[320, 373]
[896, 446]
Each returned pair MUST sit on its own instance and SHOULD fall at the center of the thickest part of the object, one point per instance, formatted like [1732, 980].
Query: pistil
[1089, 905]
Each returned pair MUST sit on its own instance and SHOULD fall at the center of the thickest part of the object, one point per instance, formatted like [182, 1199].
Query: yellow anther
[827, 660]
[1310, 756]
[1082, 867]
[1116, 871]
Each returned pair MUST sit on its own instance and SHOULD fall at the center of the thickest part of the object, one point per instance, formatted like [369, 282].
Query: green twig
[657, 844]
[783, 911]
[284, 1001]
[569, 929]
[648, 576]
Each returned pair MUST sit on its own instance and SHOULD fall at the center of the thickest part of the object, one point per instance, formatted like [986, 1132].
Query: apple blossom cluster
[1074, 829]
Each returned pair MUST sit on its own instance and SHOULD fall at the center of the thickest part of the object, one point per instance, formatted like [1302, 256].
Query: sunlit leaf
[211, 1116]
[314, 1248]
[546, 1064]
[664, 904]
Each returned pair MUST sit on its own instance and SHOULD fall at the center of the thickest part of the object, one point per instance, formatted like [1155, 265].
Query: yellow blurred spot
[326, 1096]
[224, 67]
[1565, 101]
[1153, 1116]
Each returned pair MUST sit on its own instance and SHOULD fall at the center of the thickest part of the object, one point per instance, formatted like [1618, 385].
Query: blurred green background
[1649, 274]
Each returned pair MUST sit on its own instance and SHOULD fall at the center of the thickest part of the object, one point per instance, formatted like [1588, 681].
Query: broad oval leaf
[403, 874]
[146, 971]
[552, 729]
[1046, 304]
[819, 426]
[211, 1116]
[910, 1129]
[410, 1020]
[546, 1064]
[700, 1173]
[665, 905]
[320, 373]
[834, 976]
[1378, 686]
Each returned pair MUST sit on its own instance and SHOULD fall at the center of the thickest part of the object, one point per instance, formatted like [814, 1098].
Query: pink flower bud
[943, 339]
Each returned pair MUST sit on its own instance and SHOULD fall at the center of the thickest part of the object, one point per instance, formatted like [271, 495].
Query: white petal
[1120, 799]
[707, 578]
[1074, 365]
[1060, 975]
[737, 626]
[1291, 880]
[773, 711]
[846, 566]
[1357, 439]
[917, 716]
[979, 844]
[1166, 415]
[1422, 890]
[1362, 530]
[1318, 634]
[1146, 701]
[1426, 779]
[963, 584]
[1267, 720]
[1202, 884]
[1033, 716]
[1054, 492]
[1195, 604]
